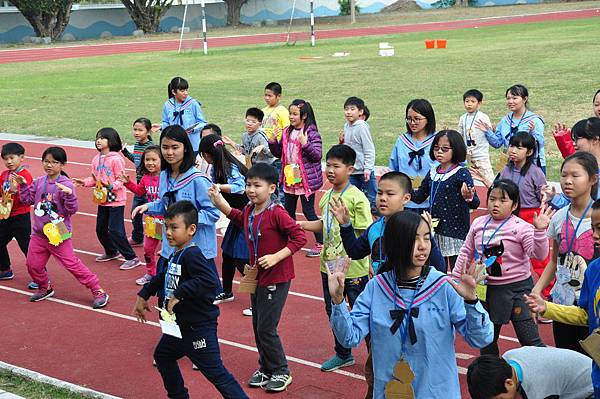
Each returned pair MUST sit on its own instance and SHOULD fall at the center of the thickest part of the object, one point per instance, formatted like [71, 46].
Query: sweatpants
[267, 305]
[19, 228]
[568, 337]
[110, 229]
[199, 343]
[308, 208]
[228, 268]
[39, 252]
[137, 234]
[150, 247]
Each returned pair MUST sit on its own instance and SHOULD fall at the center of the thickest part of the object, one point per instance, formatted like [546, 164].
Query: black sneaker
[223, 297]
[278, 382]
[258, 379]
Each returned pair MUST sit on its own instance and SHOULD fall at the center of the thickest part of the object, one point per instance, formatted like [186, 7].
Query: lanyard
[170, 263]
[328, 218]
[435, 187]
[381, 260]
[483, 245]
[408, 317]
[570, 244]
[46, 186]
[465, 130]
[255, 237]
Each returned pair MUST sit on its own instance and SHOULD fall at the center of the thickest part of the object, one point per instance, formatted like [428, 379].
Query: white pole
[182, 27]
[352, 11]
[291, 19]
[312, 23]
[204, 42]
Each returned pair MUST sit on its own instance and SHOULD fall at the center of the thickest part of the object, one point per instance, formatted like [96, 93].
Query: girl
[573, 247]
[229, 175]
[449, 187]
[519, 118]
[300, 151]
[110, 195]
[564, 140]
[55, 201]
[142, 133]
[182, 110]
[180, 180]
[148, 189]
[504, 240]
[404, 346]
[409, 153]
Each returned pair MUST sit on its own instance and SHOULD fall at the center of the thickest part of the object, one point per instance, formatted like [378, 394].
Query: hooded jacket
[106, 169]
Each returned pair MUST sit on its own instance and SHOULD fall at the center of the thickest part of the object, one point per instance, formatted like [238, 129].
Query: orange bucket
[441, 43]
[429, 44]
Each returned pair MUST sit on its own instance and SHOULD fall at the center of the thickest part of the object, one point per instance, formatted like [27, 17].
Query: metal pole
[182, 27]
[204, 42]
[287, 40]
[352, 12]
[312, 23]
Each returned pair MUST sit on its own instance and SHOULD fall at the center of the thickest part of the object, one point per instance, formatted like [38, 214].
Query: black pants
[110, 229]
[568, 337]
[527, 334]
[308, 208]
[228, 268]
[18, 227]
[352, 289]
[267, 305]
[199, 343]
[137, 234]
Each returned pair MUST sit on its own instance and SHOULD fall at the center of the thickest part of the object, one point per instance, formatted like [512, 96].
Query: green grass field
[557, 61]
[32, 390]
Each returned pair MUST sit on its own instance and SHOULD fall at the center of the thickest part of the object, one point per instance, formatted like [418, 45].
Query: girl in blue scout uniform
[410, 154]
[411, 312]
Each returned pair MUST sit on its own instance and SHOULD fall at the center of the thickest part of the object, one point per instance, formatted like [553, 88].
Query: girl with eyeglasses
[410, 153]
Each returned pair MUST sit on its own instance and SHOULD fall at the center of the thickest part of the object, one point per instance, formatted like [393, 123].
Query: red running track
[76, 51]
[107, 351]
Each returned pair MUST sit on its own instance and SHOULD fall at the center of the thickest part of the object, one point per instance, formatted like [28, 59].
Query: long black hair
[177, 133]
[306, 110]
[526, 140]
[177, 83]
[421, 107]
[510, 189]
[589, 163]
[59, 154]
[114, 140]
[222, 158]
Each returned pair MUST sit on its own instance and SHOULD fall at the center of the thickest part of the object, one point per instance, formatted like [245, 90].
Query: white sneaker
[223, 297]
[247, 312]
[130, 264]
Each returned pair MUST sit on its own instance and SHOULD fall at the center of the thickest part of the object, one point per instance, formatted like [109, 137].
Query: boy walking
[187, 286]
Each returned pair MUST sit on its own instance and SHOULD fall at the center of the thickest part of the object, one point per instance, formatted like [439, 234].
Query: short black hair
[263, 171]
[110, 134]
[215, 128]
[343, 152]
[274, 87]
[486, 376]
[401, 179]
[12, 149]
[366, 113]
[459, 149]
[578, 130]
[476, 94]
[510, 189]
[184, 208]
[255, 112]
[357, 102]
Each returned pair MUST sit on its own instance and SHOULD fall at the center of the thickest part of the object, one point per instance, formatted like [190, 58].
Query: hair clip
[218, 143]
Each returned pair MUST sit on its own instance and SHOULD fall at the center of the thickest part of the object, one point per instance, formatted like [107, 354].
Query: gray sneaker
[258, 379]
[106, 257]
[100, 298]
[130, 264]
[278, 383]
[40, 295]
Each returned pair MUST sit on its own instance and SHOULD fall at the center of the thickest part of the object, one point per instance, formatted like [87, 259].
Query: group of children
[413, 276]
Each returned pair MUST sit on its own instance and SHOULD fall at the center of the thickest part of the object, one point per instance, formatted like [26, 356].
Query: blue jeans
[352, 289]
[137, 234]
[279, 190]
[369, 188]
[110, 229]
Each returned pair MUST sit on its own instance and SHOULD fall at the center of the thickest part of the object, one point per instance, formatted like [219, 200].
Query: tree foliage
[49, 18]
[146, 14]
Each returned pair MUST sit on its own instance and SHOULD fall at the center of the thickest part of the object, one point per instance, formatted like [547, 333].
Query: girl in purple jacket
[300, 151]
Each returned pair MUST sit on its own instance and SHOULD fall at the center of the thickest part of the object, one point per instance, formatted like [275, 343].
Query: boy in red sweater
[14, 220]
[273, 236]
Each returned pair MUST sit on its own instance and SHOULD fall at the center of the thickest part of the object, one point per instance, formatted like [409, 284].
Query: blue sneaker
[7, 275]
[32, 286]
[337, 362]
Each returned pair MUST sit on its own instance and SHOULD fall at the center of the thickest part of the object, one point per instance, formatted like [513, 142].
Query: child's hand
[123, 177]
[17, 179]
[468, 281]
[64, 188]
[155, 127]
[340, 210]
[531, 126]
[467, 192]
[541, 220]
[276, 132]
[139, 210]
[303, 138]
[124, 147]
[428, 218]
[561, 129]
[483, 126]
[337, 278]
[548, 192]
[341, 137]
[140, 309]
[535, 302]
[171, 304]
[258, 149]
[214, 193]
[367, 175]
[228, 141]
[78, 182]
[268, 261]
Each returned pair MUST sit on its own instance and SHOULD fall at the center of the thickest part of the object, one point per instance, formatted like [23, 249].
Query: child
[519, 118]
[142, 133]
[201, 163]
[230, 177]
[255, 145]
[565, 138]
[276, 117]
[451, 194]
[478, 154]
[182, 110]
[15, 221]
[573, 247]
[187, 288]
[406, 285]
[300, 152]
[531, 372]
[512, 241]
[272, 239]
[55, 202]
[409, 154]
[340, 165]
[148, 188]
[110, 195]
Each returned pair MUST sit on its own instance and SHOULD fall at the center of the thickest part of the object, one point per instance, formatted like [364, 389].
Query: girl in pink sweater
[505, 243]
[109, 194]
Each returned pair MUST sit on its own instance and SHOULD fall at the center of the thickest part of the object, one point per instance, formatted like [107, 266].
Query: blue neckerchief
[398, 315]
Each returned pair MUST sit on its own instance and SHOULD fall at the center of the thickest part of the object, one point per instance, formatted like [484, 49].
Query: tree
[146, 14]
[234, 9]
[49, 18]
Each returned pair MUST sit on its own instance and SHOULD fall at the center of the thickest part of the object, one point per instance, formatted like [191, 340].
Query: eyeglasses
[443, 149]
[415, 120]
[52, 163]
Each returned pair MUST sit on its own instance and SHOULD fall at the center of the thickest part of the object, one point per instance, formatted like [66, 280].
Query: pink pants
[150, 245]
[37, 257]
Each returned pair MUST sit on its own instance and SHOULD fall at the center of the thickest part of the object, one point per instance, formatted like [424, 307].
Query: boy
[358, 136]
[531, 372]
[14, 223]
[255, 146]
[478, 154]
[273, 237]
[340, 161]
[187, 286]
[276, 116]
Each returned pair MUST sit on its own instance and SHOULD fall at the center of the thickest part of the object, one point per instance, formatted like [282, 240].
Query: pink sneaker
[144, 279]
[100, 298]
[315, 252]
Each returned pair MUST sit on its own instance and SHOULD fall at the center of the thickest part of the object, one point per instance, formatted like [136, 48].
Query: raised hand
[428, 218]
[548, 192]
[467, 192]
[336, 279]
[18, 179]
[561, 129]
[341, 137]
[124, 177]
[465, 287]
[156, 127]
[228, 141]
[258, 149]
[214, 193]
[139, 210]
[535, 302]
[541, 220]
[124, 147]
[276, 132]
[64, 188]
[483, 126]
[78, 182]
[303, 138]
[339, 210]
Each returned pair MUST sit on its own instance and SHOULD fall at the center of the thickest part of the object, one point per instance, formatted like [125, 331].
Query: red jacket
[18, 208]
[277, 231]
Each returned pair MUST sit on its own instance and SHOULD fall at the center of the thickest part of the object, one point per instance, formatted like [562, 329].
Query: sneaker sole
[129, 267]
[247, 315]
[283, 388]
[220, 301]
[100, 306]
[51, 294]
[347, 364]
[141, 283]
[258, 385]
[7, 278]
[309, 255]
[108, 259]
